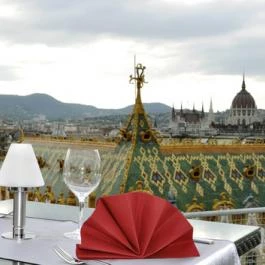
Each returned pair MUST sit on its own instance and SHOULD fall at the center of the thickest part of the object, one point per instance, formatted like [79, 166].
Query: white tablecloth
[50, 233]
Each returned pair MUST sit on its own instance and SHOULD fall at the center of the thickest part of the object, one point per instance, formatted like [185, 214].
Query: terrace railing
[245, 216]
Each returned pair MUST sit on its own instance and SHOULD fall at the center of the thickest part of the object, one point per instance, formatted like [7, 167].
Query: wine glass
[82, 175]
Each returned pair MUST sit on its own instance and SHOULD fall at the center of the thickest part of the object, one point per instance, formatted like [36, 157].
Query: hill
[27, 107]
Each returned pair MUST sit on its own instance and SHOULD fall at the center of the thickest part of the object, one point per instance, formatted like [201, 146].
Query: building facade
[192, 122]
[242, 118]
[243, 109]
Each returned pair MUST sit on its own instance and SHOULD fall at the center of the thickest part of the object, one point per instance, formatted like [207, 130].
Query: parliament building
[243, 117]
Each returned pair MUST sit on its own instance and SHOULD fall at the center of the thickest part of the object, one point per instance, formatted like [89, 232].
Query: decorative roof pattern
[183, 178]
[192, 181]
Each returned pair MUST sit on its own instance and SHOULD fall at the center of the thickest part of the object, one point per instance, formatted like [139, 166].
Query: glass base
[75, 235]
[9, 235]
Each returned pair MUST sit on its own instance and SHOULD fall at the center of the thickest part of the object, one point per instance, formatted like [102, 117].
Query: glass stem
[81, 213]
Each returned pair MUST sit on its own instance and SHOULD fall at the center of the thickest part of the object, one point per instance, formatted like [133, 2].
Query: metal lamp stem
[19, 215]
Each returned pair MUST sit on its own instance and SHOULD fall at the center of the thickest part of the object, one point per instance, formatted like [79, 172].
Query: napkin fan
[136, 225]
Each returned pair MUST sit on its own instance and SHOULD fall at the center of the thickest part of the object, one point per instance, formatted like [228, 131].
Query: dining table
[49, 222]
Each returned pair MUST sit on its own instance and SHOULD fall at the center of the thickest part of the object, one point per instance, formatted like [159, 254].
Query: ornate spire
[243, 82]
[181, 110]
[138, 130]
[136, 136]
[211, 106]
[140, 80]
[173, 113]
[202, 112]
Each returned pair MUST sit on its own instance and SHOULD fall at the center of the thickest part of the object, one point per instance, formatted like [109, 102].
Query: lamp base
[9, 235]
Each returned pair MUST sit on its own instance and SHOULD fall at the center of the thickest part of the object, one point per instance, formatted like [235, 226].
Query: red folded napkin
[135, 225]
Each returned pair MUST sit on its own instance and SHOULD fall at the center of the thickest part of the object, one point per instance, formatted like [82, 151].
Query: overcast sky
[82, 51]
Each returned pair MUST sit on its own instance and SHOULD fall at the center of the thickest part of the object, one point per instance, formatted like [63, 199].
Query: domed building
[243, 110]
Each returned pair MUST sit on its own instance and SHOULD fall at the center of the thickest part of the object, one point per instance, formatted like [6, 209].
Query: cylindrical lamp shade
[20, 168]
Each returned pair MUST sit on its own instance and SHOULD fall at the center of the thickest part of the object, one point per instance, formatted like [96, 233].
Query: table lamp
[20, 170]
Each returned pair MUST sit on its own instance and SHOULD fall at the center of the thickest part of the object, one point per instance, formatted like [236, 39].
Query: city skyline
[83, 51]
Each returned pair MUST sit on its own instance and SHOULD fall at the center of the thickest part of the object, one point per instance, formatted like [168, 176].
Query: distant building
[243, 110]
[58, 130]
[192, 122]
[243, 118]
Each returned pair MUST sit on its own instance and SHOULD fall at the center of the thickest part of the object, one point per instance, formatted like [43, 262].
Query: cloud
[213, 37]
[8, 73]
[229, 55]
[62, 21]
[49, 40]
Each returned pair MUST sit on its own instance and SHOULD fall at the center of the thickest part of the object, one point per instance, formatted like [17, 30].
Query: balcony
[245, 216]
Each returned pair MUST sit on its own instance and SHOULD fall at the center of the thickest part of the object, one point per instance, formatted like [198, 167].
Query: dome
[243, 99]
